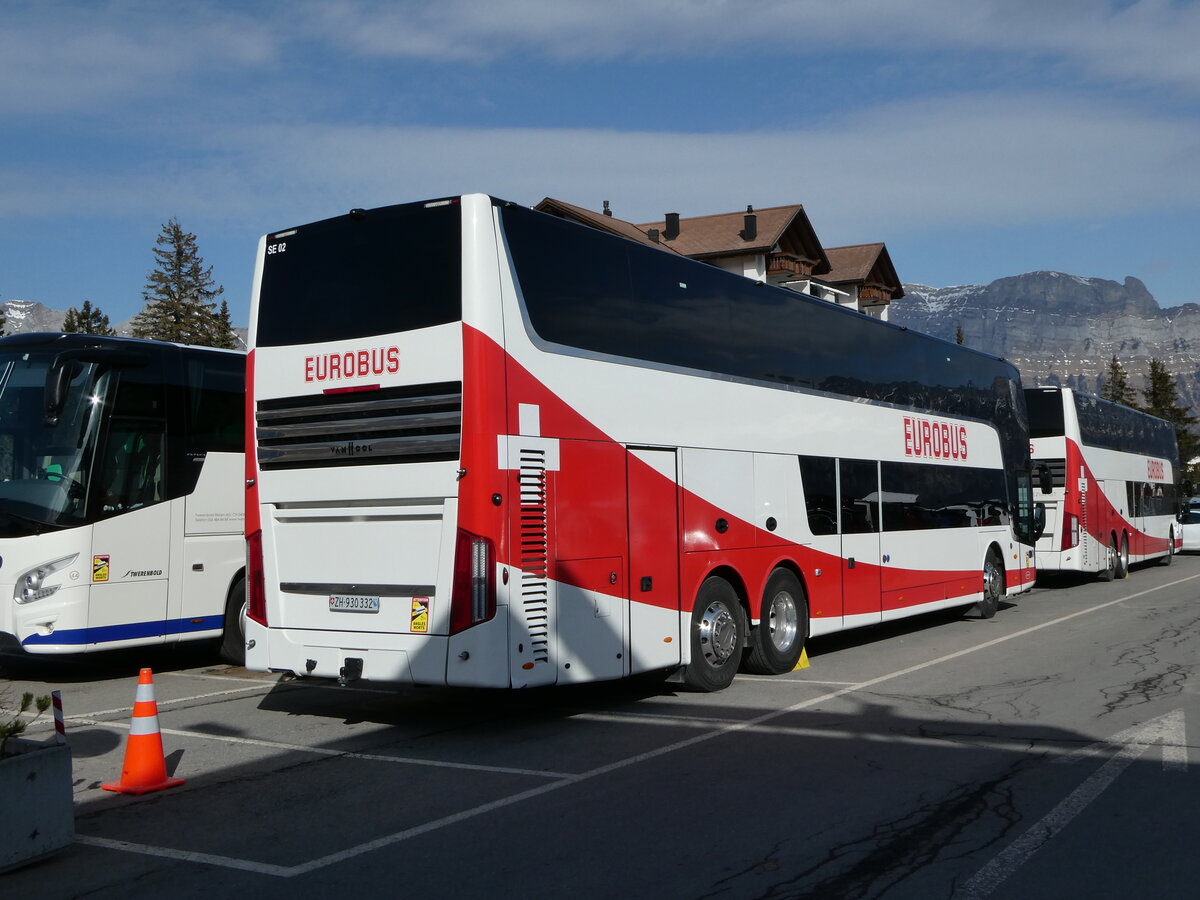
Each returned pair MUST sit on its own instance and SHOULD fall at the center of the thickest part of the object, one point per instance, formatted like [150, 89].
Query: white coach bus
[491, 447]
[1110, 478]
[120, 493]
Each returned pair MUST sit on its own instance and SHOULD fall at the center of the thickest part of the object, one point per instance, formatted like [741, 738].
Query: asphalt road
[1043, 753]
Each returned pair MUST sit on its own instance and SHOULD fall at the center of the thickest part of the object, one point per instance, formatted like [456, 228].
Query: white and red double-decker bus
[1109, 478]
[492, 447]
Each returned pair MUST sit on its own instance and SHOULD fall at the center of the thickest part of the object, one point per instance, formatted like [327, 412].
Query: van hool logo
[142, 573]
[352, 364]
[351, 448]
[931, 438]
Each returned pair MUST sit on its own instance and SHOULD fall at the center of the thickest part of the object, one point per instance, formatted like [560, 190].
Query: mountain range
[1058, 329]
[1063, 329]
[28, 316]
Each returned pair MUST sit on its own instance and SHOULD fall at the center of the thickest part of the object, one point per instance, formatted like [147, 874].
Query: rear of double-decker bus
[373, 491]
[1107, 478]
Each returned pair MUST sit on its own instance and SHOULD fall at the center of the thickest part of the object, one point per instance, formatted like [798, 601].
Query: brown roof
[863, 264]
[784, 229]
[599, 221]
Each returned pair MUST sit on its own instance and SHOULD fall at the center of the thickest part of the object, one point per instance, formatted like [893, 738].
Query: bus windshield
[45, 469]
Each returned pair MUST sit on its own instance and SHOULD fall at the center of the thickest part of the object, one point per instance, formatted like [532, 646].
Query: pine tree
[3, 319]
[1162, 400]
[958, 334]
[87, 319]
[1116, 385]
[180, 293]
[224, 335]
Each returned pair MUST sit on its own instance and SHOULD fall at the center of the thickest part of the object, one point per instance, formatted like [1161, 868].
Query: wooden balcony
[786, 264]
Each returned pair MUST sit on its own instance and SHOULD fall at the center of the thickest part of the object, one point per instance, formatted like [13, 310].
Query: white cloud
[918, 165]
[65, 55]
[1150, 41]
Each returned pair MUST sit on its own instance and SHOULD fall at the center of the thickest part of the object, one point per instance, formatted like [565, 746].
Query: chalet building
[777, 245]
[865, 276]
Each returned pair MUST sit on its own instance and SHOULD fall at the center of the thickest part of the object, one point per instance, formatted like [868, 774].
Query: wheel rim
[718, 634]
[991, 580]
[783, 623]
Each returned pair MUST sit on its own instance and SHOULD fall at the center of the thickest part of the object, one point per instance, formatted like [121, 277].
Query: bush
[13, 723]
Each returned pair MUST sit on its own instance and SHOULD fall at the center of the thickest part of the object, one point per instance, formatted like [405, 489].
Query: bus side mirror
[69, 363]
[1045, 481]
[58, 379]
[1039, 521]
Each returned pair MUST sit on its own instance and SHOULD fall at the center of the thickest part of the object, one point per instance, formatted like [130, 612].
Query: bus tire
[1109, 572]
[233, 641]
[993, 585]
[1123, 559]
[778, 641]
[1170, 557]
[718, 636]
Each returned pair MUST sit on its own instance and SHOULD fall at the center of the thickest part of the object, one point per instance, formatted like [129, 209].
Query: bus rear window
[1045, 412]
[377, 271]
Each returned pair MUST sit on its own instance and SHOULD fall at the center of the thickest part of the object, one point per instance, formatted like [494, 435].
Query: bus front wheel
[718, 635]
[778, 641]
[233, 641]
[993, 585]
[1170, 557]
[1123, 559]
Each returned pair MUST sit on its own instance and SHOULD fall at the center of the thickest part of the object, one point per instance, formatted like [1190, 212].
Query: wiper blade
[38, 525]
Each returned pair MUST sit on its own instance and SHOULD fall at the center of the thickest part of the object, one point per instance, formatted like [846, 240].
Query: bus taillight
[473, 599]
[256, 583]
[1070, 531]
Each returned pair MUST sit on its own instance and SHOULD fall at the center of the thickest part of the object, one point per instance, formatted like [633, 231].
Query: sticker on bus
[100, 568]
[419, 621]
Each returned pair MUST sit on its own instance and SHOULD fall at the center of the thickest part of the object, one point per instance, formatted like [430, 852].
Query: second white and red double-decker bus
[491, 447]
[1109, 477]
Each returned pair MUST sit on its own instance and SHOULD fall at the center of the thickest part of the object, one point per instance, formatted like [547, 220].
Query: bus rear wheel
[233, 641]
[778, 641]
[718, 635]
[1109, 572]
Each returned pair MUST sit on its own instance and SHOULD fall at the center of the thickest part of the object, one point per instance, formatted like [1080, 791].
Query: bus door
[858, 493]
[131, 540]
[654, 638]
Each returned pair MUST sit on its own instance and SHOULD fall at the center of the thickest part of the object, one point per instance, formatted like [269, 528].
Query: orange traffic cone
[145, 768]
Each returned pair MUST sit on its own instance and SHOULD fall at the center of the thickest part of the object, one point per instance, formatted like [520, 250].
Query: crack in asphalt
[1150, 684]
[892, 851]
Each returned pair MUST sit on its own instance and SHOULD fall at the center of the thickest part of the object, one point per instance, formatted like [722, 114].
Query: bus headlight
[31, 584]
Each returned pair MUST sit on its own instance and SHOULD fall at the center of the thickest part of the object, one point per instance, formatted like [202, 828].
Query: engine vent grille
[419, 423]
[535, 552]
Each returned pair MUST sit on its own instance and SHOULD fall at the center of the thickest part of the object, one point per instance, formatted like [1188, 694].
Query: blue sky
[977, 139]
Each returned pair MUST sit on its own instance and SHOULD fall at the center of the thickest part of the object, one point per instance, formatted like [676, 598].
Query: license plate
[350, 603]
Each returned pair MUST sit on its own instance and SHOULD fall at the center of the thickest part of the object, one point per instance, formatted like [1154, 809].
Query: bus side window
[131, 473]
[860, 496]
[819, 480]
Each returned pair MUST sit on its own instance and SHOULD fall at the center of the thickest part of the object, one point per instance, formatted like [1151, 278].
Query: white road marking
[1129, 745]
[346, 754]
[731, 728]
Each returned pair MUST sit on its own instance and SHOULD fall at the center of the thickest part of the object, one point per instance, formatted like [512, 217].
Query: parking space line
[225, 862]
[618, 765]
[265, 688]
[344, 754]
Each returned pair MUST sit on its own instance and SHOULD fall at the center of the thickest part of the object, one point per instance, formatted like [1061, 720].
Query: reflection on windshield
[45, 470]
